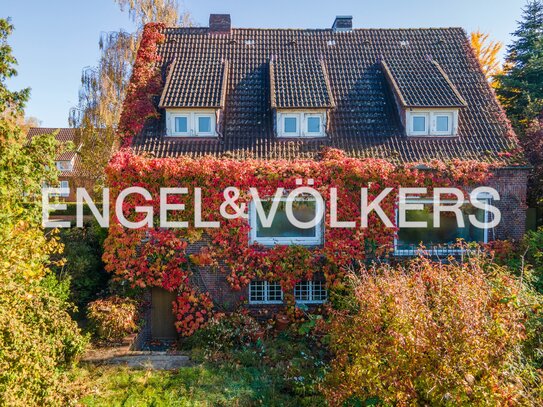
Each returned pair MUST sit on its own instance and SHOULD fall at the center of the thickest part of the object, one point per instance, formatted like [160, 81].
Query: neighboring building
[68, 163]
[404, 95]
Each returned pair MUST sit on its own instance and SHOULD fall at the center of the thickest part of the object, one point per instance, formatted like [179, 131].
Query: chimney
[343, 23]
[219, 24]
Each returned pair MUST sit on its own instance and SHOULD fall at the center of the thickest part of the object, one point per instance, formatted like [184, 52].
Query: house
[68, 163]
[402, 95]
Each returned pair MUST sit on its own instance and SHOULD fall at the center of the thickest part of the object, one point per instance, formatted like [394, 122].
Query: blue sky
[55, 39]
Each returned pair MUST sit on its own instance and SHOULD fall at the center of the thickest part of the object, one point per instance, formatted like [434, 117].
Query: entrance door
[162, 318]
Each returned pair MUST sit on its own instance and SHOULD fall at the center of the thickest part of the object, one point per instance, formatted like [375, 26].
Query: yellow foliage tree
[487, 52]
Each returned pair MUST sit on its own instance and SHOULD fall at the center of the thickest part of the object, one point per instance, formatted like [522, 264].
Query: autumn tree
[103, 87]
[487, 52]
[520, 87]
[38, 339]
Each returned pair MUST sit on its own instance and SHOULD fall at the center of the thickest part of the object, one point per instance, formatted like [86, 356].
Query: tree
[487, 53]
[38, 339]
[103, 87]
[520, 87]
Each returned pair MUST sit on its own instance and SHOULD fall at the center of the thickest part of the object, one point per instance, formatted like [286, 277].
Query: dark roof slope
[421, 82]
[365, 121]
[195, 81]
[299, 82]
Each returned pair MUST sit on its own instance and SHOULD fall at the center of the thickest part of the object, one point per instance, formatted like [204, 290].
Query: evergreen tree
[520, 88]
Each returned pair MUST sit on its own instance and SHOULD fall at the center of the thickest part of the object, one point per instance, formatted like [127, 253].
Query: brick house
[404, 95]
[68, 163]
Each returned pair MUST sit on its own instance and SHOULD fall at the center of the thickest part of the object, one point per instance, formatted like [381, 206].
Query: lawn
[277, 372]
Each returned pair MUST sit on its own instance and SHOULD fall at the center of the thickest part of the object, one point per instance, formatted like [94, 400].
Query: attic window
[431, 123]
[331, 43]
[185, 123]
[64, 165]
[249, 42]
[301, 124]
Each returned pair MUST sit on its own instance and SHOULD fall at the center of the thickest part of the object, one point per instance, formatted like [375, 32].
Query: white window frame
[65, 189]
[320, 133]
[449, 131]
[180, 133]
[266, 292]
[211, 117]
[412, 117]
[310, 292]
[301, 124]
[431, 122]
[440, 250]
[285, 116]
[316, 240]
[192, 123]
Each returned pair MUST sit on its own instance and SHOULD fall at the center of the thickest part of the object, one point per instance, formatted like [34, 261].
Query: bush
[431, 334]
[113, 318]
[38, 344]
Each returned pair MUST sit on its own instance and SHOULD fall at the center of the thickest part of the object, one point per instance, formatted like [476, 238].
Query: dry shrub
[429, 333]
[113, 318]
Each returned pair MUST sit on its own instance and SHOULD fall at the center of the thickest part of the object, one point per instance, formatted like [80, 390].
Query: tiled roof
[298, 81]
[365, 121]
[195, 81]
[421, 82]
[64, 135]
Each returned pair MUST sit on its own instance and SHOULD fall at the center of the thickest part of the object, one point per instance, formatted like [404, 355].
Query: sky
[55, 39]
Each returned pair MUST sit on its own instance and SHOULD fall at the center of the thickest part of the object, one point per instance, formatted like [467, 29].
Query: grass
[279, 372]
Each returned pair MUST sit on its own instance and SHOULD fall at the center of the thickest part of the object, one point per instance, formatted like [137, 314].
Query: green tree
[38, 339]
[520, 87]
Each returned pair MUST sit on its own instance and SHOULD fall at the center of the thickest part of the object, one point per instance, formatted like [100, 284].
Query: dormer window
[190, 123]
[431, 123]
[301, 124]
[64, 165]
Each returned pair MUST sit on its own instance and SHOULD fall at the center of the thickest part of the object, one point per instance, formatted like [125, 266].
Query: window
[290, 125]
[64, 165]
[314, 125]
[181, 124]
[310, 292]
[190, 124]
[439, 240]
[438, 123]
[65, 188]
[419, 124]
[281, 230]
[265, 292]
[301, 124]
[204, 125]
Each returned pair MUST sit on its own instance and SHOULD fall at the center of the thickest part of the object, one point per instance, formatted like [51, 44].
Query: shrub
[430, 333]
[113, 318]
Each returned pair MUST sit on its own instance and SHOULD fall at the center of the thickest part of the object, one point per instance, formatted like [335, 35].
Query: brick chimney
[219, 24]
[343, 23]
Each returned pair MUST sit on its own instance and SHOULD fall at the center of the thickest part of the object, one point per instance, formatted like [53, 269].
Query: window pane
[419, 123]
[204, 124]
[442, 123]
[290, 124]
[256, 291]
[181, 125]
[274, 292]
[447, 233]
[301, 291]
[304, 211]
[319, 291]
[313, 124]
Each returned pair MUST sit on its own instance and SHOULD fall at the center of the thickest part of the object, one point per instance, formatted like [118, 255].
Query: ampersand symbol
[231, 195]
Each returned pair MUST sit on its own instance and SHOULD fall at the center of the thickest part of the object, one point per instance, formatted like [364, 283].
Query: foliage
[519, 87]
[157, 257]
[112, 318]
[487, 52]
[83, 267]
[151, 11]
[435, 334]
[38, 340]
